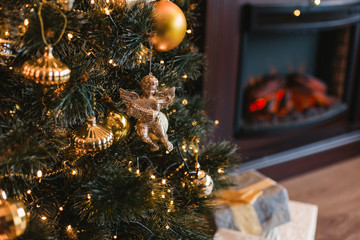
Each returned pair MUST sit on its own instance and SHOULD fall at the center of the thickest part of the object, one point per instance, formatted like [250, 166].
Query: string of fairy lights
[166, 193]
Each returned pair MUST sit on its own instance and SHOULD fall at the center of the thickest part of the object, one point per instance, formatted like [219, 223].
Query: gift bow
[241, 205]
[248, 194]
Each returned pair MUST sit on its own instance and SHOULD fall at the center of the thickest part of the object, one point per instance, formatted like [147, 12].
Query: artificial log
[272, 97]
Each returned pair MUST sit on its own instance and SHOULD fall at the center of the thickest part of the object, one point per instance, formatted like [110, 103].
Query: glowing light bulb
[68, 227]
[297, 12]
[153, 177]
[317, 2]
[188, 31]
[43, 218]
[74, 172]
[70, 36]
[162, 62]
[39, 174]
[107, 11]
[26, 22]
[163, 181]
[28, 191]
[216, 122]
[184, 76]
[167, 227]
[89, 196]
[185, 102]
[61, 208]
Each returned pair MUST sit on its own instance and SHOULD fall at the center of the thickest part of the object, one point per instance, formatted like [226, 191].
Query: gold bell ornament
[119, 125]
[13, 217]
[46, 70]
[170, 26]
[92, 137]
[205, 182]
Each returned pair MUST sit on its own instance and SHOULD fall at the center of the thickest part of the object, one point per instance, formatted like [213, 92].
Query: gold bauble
[119, 125]
[46, 70]
[205, 182]
[170, 26]
[164, 122]
[92, 137]
[13, 218]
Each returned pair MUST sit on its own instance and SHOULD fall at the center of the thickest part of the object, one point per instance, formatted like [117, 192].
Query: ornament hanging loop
[151, 50]
[42, 25]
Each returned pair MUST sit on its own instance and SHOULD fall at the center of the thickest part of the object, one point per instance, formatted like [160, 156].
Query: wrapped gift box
[255, 205]
[301, 227]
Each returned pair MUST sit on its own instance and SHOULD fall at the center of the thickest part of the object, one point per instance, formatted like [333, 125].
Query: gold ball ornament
[119, 125]
[205, 182]
[170, 26]
[92, 137]
[46, 70]
[13, 218]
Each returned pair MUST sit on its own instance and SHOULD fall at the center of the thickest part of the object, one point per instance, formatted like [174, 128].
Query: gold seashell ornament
[14, 217]
[46, 70]
[92, 137]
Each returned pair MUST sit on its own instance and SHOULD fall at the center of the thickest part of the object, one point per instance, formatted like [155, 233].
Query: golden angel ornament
[146, 108]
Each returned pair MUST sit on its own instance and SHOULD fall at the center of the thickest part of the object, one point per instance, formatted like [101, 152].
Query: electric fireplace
[283, 78]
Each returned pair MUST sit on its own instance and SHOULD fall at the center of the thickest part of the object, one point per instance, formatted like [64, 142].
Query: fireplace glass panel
[293, 78]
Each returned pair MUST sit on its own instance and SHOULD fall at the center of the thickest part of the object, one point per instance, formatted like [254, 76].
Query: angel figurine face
[146, 109]
[149, 85]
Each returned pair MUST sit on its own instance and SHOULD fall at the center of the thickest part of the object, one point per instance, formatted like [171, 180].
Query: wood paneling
[336, 191]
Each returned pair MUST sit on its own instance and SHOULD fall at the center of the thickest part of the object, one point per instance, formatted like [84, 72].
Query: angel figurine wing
[128, 96]
[165, 98]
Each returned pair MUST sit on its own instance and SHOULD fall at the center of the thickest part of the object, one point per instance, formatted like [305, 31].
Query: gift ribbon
[240, 202]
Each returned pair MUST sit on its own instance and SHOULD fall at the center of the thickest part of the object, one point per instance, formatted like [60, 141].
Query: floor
[336, 191]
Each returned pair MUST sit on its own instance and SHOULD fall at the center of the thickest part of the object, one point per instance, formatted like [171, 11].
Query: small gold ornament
[147, 110]
[66, 4]
[170, 26]
[46, 70]
[119, 125]
[205, 182]
[143, 55]
[13, 218]
[92, 137]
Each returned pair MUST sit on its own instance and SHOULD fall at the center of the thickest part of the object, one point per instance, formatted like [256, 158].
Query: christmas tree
[103, 132]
